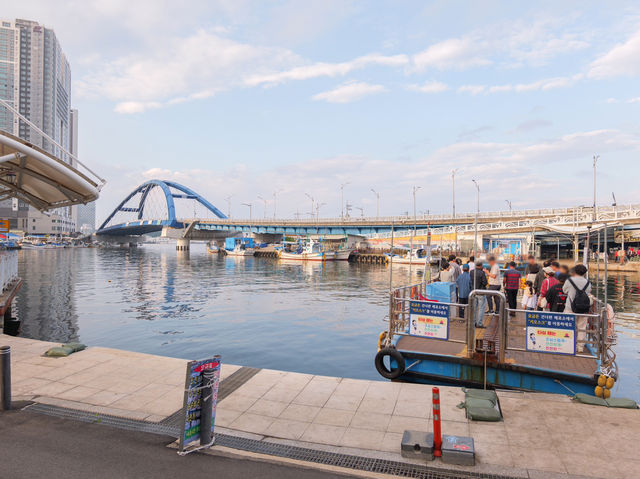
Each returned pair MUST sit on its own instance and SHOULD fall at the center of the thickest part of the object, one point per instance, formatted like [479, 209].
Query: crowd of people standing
[548, 287]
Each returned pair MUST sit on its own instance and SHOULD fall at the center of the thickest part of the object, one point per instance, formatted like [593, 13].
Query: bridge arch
[129, 216]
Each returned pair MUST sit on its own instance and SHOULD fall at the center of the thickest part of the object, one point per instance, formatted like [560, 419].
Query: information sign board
[551, 332]
[192, 407]
[429, 319]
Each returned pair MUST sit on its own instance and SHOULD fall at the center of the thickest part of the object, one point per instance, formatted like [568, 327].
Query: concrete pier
[182, 244]
[542, 435]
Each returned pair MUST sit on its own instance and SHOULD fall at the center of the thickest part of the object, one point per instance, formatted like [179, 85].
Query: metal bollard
[207, 407]
[437, 431]
[5, 383]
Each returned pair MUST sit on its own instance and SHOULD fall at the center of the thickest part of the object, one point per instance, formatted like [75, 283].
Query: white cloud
[348, 92]
[452, 54]
[473, 89]
[323, 69]
[635, 100]
[182, 69]
[622, 60]
[513, 44]
[430, 87]
[540, 85]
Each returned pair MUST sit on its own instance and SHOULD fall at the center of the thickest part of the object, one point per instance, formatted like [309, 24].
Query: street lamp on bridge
[265, 206]
[250, 214]
[228, 198]
[377, 202]
[312, 203]
[342, 198]
[509, 205]
[275, 202]
[453, 189]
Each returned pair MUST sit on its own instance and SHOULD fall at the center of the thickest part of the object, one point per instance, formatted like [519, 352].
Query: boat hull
[436, 369]
[304, 256]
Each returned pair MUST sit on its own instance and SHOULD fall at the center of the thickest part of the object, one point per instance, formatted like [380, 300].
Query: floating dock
[342, 424]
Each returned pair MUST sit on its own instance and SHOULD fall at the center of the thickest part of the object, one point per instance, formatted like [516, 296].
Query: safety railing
[8, 268]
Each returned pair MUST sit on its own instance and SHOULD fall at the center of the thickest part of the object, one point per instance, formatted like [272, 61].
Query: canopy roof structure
[42, 180]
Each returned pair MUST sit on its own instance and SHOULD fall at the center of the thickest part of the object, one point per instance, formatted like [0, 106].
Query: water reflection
[307, 317]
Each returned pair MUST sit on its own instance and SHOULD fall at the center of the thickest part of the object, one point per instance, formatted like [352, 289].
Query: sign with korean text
[4, 226]
[193, 399]
[429, 320]
[551, 332]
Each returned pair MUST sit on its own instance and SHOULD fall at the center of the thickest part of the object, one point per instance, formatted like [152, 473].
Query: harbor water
[306, 317]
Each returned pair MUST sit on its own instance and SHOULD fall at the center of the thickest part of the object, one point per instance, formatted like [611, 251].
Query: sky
[249, 98]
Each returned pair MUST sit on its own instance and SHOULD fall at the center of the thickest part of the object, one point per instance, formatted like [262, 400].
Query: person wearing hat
[547, 283]
[464, 288]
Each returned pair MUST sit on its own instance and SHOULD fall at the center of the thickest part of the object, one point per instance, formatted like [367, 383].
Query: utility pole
[342, 185]
[415, 189]
[378, 203]
[593, 213]
[453, 190]
[475, 237]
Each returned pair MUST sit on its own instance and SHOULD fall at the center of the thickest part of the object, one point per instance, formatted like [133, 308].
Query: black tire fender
[382, 368]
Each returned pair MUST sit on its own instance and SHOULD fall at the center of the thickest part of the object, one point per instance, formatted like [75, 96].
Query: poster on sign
[553, 333]
[429, 320]
[193, 399]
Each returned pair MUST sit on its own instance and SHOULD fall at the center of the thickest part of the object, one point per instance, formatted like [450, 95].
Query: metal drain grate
[348, 461]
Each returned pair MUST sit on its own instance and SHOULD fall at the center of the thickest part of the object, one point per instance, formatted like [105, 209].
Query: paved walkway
[541, 433]
[36, 446]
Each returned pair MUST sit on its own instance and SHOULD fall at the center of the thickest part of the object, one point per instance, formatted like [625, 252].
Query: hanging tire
[382, 367]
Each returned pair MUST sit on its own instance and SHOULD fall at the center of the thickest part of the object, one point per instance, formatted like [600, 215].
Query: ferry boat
[431, 339]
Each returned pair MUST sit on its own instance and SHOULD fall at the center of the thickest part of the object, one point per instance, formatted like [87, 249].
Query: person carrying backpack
[577, 288]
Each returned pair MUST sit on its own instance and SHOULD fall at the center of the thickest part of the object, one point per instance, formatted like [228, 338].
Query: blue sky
[246, 98]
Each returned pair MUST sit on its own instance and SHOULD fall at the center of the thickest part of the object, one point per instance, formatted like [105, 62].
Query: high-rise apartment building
[35, 77]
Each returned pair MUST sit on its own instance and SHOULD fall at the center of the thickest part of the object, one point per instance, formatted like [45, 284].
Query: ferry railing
[8, 268]
[591, 338]
[400, 311]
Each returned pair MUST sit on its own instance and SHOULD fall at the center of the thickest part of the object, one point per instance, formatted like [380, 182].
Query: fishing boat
[239, 246]
[431, 339]
[308, 251]
[212, 248]
[412, 256]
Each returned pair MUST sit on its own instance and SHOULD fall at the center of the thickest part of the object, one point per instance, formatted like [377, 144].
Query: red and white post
[437, 429]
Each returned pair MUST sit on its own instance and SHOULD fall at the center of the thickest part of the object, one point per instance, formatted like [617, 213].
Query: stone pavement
[541, 435]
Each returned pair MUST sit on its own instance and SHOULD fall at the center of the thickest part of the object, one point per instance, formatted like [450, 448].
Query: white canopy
[42, 180]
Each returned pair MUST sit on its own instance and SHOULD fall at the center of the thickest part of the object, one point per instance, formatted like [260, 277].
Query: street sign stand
[199, 406]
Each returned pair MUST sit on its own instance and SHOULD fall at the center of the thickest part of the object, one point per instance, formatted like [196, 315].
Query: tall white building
[35, 77]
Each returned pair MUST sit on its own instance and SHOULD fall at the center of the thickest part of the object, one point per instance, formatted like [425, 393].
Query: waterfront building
[35, 78]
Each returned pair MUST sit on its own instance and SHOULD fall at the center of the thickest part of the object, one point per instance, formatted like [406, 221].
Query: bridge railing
[568, 215]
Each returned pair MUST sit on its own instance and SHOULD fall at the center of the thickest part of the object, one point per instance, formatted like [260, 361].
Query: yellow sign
[4, 226]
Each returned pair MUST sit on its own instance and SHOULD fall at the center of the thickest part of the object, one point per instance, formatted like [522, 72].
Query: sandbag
[59, 351]
[490, 414]
[622, 403]
[588, 399]
[75, 346]
[481, 405]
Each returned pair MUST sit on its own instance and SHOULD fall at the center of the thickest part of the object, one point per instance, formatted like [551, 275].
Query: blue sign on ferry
[553, 333]
[429, 319]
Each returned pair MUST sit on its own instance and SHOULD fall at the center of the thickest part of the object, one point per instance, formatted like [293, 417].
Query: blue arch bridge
[181, 213]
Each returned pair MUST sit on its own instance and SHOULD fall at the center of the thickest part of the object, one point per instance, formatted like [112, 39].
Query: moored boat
[431, 339]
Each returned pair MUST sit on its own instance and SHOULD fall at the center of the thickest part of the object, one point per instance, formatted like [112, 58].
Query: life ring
[382, 368]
